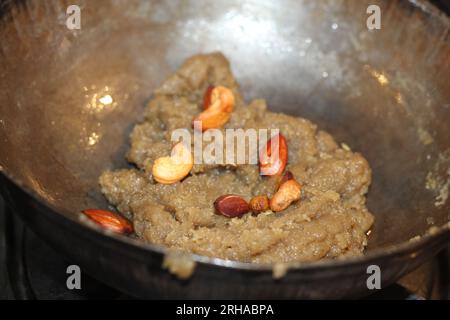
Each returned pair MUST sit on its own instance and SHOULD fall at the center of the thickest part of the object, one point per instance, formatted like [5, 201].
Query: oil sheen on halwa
[331, 219]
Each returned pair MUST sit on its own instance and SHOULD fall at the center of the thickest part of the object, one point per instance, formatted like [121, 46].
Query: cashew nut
[217, 114]
[168, 170]
[289, 192]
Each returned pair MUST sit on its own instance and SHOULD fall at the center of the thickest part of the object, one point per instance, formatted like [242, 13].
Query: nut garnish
[289, 192]
[207, 97]
[286, 177]
[259, 204]
[231, 206]
[168, 170]
[109, 220]
[218, 105]
[274, 156]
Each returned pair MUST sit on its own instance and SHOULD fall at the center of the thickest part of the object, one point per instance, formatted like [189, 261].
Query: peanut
[207, 97]
[109, 220]
[231, 206]
[259, 204]
[273, 156]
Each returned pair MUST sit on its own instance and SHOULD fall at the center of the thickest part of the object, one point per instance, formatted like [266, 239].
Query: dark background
[444, 5]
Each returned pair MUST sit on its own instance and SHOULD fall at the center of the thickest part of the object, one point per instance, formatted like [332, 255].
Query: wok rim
[401, 249]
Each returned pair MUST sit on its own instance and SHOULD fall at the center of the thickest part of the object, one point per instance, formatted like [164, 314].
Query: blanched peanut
[168, 170]
[218, 108]
[289, 192]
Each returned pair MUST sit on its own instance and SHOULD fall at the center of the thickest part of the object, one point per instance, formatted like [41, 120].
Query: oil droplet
[379, 76]
[106, 100]
[93, 139]
[399, 98]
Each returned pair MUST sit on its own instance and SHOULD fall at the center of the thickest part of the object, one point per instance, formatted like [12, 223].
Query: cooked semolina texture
[329, 221]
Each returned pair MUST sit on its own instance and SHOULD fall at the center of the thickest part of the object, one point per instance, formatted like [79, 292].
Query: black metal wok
[385, 92]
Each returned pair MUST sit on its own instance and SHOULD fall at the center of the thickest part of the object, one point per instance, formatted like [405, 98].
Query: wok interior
[384, 93]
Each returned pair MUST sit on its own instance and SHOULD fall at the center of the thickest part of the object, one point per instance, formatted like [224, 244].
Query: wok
[383, 92]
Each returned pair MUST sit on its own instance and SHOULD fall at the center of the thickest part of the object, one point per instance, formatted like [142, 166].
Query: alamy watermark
[73, 17]
[373, 282]
[73, 281]
[228, 146]
[373, 22]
